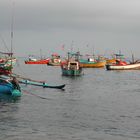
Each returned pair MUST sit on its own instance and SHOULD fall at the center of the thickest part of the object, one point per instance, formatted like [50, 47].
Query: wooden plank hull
[71, 67]
[53, 64]
[67, 72]
[93, 64]
[110, 61]
[124, 67]
[55, 60]
[44, 61]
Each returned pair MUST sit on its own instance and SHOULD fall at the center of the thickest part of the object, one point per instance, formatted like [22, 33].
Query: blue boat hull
[7, 89]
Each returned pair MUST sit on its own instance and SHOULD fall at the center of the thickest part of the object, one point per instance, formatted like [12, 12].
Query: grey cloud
[98, 19]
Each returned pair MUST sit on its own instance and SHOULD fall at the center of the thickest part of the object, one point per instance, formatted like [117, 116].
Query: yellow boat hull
[110, 61]
[93, 65]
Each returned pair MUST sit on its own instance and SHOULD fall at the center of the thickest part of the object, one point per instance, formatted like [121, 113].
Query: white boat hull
[124, 67]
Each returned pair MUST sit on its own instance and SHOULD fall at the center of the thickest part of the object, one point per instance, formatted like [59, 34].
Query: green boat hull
[66, 72]
[44, 85]
[16, 93]
[7, 89]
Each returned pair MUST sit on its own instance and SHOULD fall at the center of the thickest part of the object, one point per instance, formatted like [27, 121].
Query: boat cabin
[32, 58]
[73, 65]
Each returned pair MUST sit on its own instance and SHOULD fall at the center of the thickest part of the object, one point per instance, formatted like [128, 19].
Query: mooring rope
[25, 91]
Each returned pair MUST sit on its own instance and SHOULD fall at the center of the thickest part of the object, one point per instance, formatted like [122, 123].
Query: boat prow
[58, 87]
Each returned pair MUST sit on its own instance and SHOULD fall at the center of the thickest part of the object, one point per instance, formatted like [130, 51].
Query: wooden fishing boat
[42, 61]
[7, 63]
[71, 67]
[6, 70]
[55, 60]
[42, 84]
[10, 61]
[92, 64]
[7, 66]
[121, 64]
[7, 60]
[92, 61]
[7, 88]
[54, 63]
[110, 61]
[32, 60]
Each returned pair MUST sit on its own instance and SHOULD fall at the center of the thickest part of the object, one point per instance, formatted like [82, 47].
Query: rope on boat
[34, 94]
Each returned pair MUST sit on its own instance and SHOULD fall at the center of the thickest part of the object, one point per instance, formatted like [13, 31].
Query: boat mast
[72, 46]
[41, 54]
[93, 51]
[12, 26]
[133, 58]
[12, 34]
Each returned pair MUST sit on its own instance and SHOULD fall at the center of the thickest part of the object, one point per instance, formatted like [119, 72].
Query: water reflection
[8, 99]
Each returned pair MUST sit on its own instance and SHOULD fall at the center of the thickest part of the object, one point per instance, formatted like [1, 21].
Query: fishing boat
[33, 60]
[6, 58]
[121, 64]
[55, 60]
[89, 64]
[8, 89]
[10, 61]
[6, 63]
[92, 62]
[42, 61]
[71, 67]
[110, 61]
[6, 70]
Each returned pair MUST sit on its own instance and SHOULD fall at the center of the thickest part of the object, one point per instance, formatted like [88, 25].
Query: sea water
[99, 105]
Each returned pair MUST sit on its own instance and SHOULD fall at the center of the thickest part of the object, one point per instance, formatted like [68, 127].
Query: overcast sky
[46, 25]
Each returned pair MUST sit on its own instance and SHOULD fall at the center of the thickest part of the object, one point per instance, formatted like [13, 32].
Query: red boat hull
[4, 71]
[44, 61]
